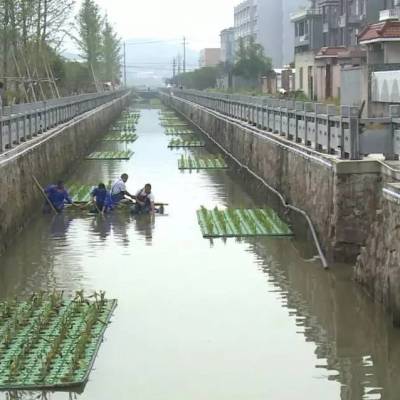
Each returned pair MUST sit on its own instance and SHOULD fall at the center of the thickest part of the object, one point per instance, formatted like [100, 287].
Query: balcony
[355, 19]
[303, 14]
[386, 15]
[303, 40]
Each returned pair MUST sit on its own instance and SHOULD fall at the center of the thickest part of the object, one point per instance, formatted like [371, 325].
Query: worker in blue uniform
[58, 196]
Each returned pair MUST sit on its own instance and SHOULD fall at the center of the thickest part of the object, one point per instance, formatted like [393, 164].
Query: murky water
[204, 320]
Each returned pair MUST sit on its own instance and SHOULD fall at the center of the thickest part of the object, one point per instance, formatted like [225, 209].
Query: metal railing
[22, 122]
[328, 129]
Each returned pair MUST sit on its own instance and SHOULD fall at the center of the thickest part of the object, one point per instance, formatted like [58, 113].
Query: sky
[199, 20]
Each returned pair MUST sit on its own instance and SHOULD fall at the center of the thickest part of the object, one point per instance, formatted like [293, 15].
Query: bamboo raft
[120, 137]
[48, 342]
[199, 163]
[110, 155]
[241, 223]
[181, 143]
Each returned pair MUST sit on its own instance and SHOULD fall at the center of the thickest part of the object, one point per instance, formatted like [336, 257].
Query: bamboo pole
[44, 194]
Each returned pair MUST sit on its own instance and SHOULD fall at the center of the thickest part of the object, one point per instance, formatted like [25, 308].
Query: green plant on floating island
[207, 219]
[39, 335]
[249, 221]
[234, 218]
[220, 215]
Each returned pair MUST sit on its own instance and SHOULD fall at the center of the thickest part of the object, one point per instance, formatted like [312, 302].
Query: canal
[199, 319]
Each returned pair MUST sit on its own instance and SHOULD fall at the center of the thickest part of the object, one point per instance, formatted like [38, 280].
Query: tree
[90, 34]
[251, 61]
[111, 53]
[202, 78]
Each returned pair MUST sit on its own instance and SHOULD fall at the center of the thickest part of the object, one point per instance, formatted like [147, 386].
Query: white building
[228, 45]
[268, 21]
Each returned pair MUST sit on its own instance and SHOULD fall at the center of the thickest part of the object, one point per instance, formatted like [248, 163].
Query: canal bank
[340, 197]
[47, 157]
[201, 319]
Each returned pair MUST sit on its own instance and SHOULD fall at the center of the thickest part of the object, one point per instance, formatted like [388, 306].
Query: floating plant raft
[179, 142]
[174, 124]
[124, 126]
[48, 342]
[110, 155]
[202, 163]
[178, 131]
[79, 193]
[117, 129]
[121, 137]
[241, 222]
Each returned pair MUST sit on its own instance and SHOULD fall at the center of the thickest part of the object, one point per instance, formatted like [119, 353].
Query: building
[228, 46]
[326, 34]
[209, 57]
[308, 40]
[382, 75]
[268, 22]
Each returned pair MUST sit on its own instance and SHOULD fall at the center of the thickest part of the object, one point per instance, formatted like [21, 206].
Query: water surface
[199, 319]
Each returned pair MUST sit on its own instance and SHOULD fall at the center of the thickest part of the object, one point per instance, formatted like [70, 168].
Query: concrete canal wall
[49, 157]
[339, 196]
[378, 265]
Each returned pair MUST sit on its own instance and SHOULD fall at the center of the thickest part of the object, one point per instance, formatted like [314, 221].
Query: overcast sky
[199, 20]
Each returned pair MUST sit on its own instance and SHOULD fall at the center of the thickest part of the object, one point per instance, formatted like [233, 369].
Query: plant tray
[241, 223]
[48, 342]
[198, 163]
[176, 143]
[79, 193]
[116, 129]
[178, 131]
[124, 126]
[120, 137]
[169, 124]
[110, 155]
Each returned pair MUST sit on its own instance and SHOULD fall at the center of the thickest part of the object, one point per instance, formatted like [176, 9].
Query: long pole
[125, 64]
[174, 68]
[39, 186]
[184, 54]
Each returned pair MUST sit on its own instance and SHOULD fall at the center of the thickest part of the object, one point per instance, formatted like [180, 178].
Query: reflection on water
[199, 319]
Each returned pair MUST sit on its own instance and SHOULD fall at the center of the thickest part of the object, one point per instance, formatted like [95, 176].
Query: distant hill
[150, 63]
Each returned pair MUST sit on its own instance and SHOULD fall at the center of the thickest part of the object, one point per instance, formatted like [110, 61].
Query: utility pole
[173, 68]
[125, 64]
[179, 64]
[184, 54]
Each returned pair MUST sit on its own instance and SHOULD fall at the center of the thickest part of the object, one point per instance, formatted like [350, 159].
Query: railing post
[354, 133]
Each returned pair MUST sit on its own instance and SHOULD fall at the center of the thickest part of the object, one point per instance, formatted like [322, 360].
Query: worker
[58, 196]
[145, 202]
[101, 198]
[118, 189]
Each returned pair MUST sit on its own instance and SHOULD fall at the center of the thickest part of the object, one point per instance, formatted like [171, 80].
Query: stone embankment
[49, 157]
[339, 196]
[378, 265]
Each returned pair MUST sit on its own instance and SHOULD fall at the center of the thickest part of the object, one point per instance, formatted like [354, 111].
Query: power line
[152, 42]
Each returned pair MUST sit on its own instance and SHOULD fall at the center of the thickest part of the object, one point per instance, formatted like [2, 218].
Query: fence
[23, 122]
[327, 129]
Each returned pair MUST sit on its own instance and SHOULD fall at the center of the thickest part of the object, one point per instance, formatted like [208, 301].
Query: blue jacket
[58, 197]
[102, 196]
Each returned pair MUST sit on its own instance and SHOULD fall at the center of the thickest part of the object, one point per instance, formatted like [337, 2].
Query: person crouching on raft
[58, 196]
[145, 202]
[118, 189]
[101, 198]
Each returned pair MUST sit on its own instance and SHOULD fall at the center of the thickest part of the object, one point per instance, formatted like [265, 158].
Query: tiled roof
[380, 32]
